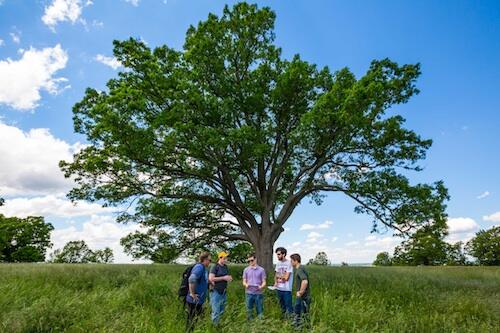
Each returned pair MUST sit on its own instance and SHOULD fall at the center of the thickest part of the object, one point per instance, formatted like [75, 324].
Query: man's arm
[263, 285]
[193, 281]
[245, 283]
[212, 278]
[192, 288]
[288, 273]
[303, 287]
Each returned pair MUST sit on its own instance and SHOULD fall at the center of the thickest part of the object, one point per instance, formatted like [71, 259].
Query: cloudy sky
[51, 50]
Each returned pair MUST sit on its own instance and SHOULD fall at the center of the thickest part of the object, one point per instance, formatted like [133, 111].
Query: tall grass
[142, 298]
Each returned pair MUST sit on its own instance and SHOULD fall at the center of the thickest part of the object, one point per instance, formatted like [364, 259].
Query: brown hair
[295, 257]
[204, 256]
[251, 255]
[281, 250]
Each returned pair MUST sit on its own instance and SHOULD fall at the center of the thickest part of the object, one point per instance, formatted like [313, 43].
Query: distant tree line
[427, 247]
[28, 239]
[78, 252]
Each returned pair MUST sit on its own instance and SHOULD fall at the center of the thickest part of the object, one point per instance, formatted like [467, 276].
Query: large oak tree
[223, 139]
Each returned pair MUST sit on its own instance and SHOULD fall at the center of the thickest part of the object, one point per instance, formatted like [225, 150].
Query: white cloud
[108, 61]
[313, 237]
[307, 226]
[22, 80]
[133, 2]
[461, 225]
[99, 232]
[16, 37]
[483, 195]
[459, 237]
[64, 11]
[97, 24]
[2, 42]
[461, 229]
[495, 217]
[387, 243]
[29, 162]
[50, 205]
[324, 225]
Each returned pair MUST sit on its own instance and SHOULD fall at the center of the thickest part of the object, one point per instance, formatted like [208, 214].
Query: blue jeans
[301, 309]
[218, 303]
[285, 299]
[256, 300]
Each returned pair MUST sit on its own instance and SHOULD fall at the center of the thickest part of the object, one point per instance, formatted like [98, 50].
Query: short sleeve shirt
[283, 267]
[199, 274]
[301, 275]
[254, 276]
[218, 271]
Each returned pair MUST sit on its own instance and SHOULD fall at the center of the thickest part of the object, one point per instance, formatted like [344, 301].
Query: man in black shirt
[303, 293]
[218, 278]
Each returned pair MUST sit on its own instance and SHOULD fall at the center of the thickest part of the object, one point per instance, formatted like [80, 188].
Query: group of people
[214, 283]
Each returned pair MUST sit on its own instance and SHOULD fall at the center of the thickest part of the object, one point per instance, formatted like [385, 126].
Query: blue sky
[50, 51]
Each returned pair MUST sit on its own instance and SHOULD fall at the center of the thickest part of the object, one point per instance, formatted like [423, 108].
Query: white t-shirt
[283, 267]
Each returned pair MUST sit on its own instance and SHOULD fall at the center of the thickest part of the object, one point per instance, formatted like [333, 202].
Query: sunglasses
[250, 260]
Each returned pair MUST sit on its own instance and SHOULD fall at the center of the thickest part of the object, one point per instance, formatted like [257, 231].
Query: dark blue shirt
[218, 271]
[199, 276]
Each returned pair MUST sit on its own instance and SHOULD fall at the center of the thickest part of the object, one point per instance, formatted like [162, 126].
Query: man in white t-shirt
[283, 280]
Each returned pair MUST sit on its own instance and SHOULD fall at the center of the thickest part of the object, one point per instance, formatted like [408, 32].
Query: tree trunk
[264, 251]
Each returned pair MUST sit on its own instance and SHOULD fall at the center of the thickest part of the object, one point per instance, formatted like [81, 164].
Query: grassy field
[142, 298]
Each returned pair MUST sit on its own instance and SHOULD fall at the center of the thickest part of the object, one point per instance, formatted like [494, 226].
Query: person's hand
[299, 294]
[245, 285]
[195, 297]
[228, 278]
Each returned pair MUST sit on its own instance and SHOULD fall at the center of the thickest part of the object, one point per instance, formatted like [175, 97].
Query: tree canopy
[424, 247]
[222, 140]
[320, 259]
[78, 252]
[24, 239]
[485, 246]
[383, 259]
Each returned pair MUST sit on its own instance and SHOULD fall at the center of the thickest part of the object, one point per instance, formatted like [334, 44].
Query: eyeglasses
[250, 260]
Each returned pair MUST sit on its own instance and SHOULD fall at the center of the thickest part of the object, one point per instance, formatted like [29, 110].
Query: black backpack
[184, 287]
